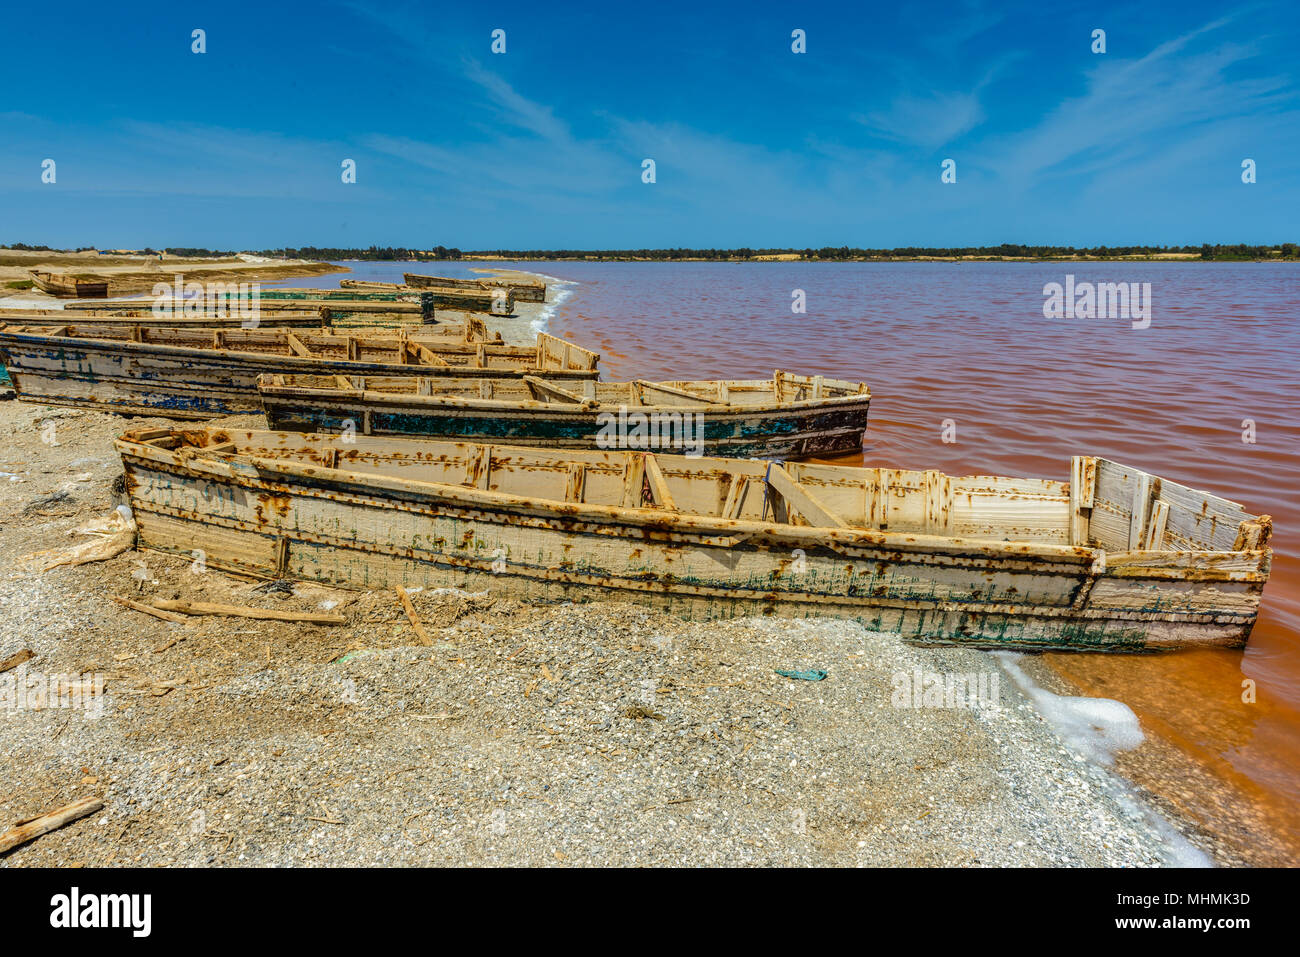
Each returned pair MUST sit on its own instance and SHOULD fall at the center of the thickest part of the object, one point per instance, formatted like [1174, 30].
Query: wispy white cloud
[515, 109]
[929, 121]
[1147, 103]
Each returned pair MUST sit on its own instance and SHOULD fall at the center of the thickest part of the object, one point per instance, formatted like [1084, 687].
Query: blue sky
[542, 147]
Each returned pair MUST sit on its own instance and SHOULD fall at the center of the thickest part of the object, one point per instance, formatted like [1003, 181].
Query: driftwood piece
[148, 609]
[244, 611]
[35, 827]
[16, 659]
[412, 616]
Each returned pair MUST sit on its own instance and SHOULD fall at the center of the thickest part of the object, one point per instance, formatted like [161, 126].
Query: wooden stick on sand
[48, 822]
[148, 609]
[244, 611]
[412, 616]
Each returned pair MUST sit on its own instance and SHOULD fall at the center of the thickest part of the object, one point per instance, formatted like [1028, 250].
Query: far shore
[1171, 257]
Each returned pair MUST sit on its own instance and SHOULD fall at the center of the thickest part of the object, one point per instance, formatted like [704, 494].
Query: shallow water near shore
[968, 342]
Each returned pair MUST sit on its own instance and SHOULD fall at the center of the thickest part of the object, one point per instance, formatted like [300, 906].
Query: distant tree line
[1241, 251]
[840, 253]
[1206, 251]
[195, 252]
[399, 253]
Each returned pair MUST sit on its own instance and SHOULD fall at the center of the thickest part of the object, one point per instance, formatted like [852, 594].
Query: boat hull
[831, 429]
[326, 523]
[191, 383]
[116, 317]
[66, 287]
[522, 291]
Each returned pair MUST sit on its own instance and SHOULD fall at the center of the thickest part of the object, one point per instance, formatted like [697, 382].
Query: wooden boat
[65, 286]
[500, 302]
[118, 317]
[471, 299]
[265, 303]
[196, 373]
[369, 285]
[1116, 560]
[524, 290]
[787, 416]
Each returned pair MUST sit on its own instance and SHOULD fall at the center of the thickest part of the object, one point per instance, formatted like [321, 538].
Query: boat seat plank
[658, 484]
[801, 498]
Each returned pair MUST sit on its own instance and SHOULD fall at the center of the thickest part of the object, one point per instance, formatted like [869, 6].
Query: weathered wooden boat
[500, 302]
[195, 373]
[265, 302]
[1116, 560]
[117, 317]
[524, 290]
[472, 299]
[371, 285]
[71, 287]
[787, 416]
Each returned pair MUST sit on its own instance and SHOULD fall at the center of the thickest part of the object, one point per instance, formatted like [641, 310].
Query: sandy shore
[132, 275]
[574, 734]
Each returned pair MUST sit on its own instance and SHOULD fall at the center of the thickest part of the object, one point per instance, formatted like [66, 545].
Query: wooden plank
[1200, 520]
[801, 499]
[54, 820]
[1154, 538]
[938, 502]
[633, 480]
[478, 471]
[735, 496]
[575, 483]
[1083, 481]
[1140, 510]
[880, 502]
[411, 616]
[245, 611]
[664, 389]
[541, 388]
[426, 355]
[1252, 535]
[658, 484]
[296, 346]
